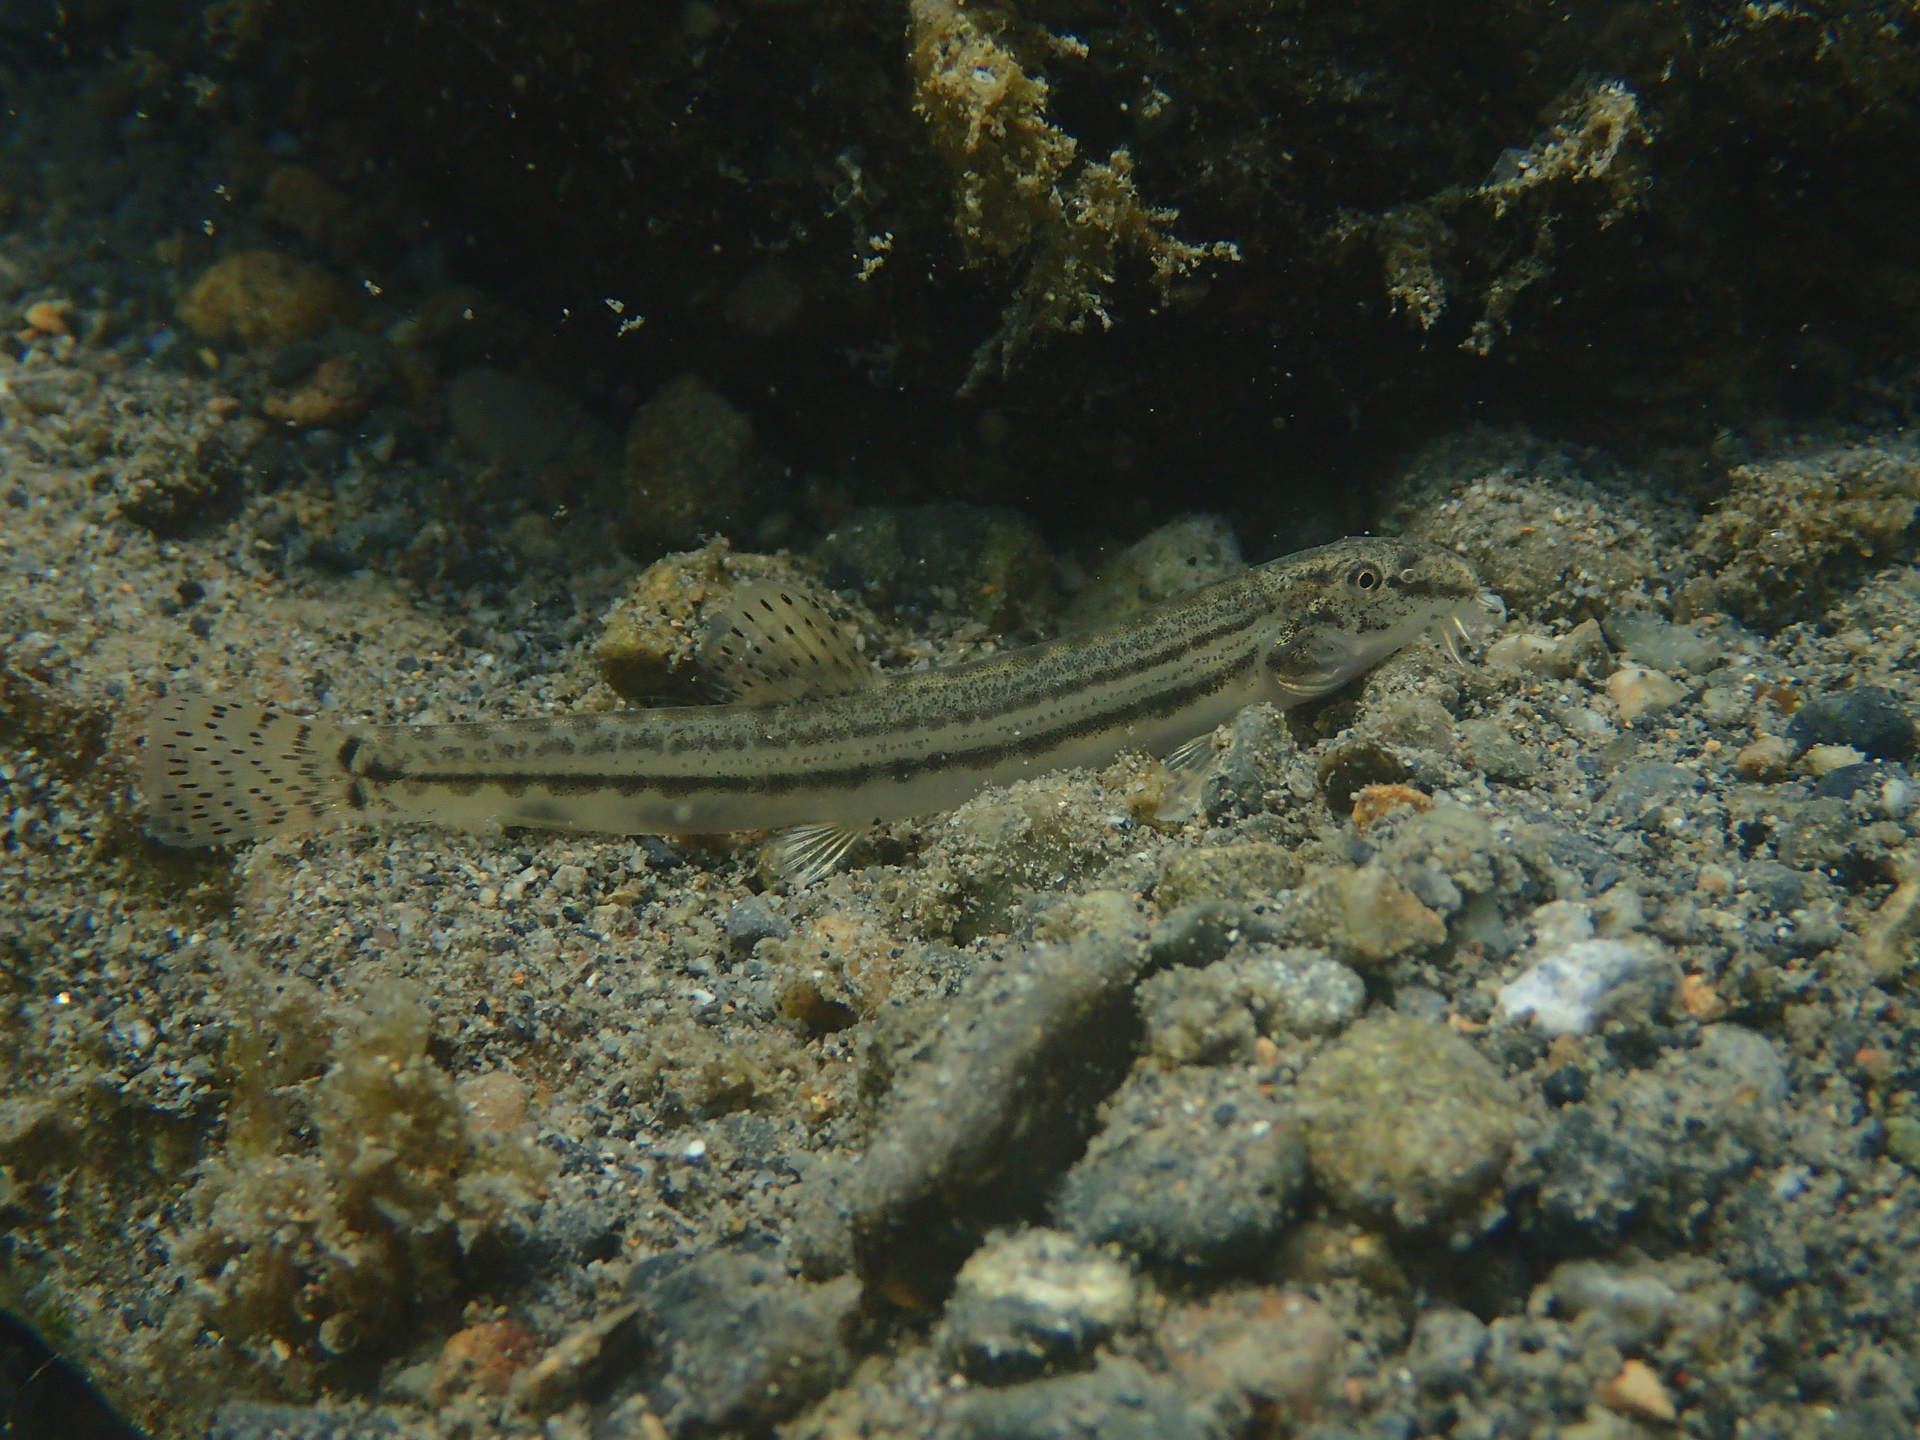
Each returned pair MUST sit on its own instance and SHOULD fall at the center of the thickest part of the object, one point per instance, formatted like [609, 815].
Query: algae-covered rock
[978, 560]
[1021, 187]
[1553, 533]
[1406, 1121]
[1793, 531]
[1254, 873]
[1181, 555]
[1364, 915]
[689, 466]
[1194, 1166]
[342, 1211]
[262, 298]
[1213, 1015]
[1005, 847]
[1249, 1351]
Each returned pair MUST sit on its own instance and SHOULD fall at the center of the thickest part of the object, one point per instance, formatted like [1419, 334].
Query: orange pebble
[50, 317]
[1637, 1390]
[1699, 999]
[1375, 802]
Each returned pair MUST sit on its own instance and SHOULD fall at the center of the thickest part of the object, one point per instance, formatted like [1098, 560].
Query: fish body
[870, 748]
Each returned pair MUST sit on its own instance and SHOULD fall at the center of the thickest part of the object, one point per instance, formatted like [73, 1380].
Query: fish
[814, 744]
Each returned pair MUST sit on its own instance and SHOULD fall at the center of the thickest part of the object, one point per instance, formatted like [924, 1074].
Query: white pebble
[1565, 992]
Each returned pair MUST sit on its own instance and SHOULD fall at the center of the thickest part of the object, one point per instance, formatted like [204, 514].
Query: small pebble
[1821, 760]
[1639, 691]
[50, 317]
[1653, 641]
[1889, 786]
[1365, 916]
[1375, 802]
[1568, 991]
[752, 920]
[481, 1360]
[1446, 1345]
[1272, 1349]
[1637, 1390]
[1629, 1308]
[1699, 999]
[1762, 759]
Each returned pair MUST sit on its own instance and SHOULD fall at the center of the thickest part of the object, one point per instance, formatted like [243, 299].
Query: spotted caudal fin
[214, 771]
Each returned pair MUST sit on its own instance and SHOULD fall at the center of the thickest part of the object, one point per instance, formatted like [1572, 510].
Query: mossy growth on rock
[355, 1190]
[1023, 190]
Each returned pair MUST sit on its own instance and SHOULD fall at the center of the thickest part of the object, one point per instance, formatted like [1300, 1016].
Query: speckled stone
[1252, 873]
[689, 466]
[1196, 1166]
[1028, 1299]
[736, 1343]
[1364, 916]
[1118, 1400]
[1404, 1119]
[1214, 1014]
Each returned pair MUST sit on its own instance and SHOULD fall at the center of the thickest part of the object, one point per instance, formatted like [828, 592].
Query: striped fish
[815, 742]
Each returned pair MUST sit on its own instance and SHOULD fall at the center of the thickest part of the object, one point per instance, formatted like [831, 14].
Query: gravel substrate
[1517, 1048]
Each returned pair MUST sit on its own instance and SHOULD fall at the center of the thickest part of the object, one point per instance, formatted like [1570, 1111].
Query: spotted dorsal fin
[767, 641]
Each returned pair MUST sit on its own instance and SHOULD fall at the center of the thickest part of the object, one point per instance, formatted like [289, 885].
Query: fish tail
[214, 772]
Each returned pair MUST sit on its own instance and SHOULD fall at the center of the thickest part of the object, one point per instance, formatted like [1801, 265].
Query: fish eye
[1408, 575]
[1364, 578]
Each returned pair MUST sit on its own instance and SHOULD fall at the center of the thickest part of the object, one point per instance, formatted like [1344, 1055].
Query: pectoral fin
[1186, 770]
[802, 854]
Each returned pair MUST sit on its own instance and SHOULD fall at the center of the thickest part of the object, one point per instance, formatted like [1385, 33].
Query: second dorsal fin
[767, 641]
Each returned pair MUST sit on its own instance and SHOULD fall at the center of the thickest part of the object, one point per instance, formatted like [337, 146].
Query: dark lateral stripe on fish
[889, 718]
[778, 783]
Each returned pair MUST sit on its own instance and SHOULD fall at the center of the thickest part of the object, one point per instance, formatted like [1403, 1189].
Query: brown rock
[1375, 802]
[1405, 1119]
[1365, 916]
[338, 391]
[1270, 1348]
[689, 454]
[261, 298]
[1763, 758]
[481, 1359]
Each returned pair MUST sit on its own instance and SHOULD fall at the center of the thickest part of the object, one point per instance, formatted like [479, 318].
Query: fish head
[1345, 607]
